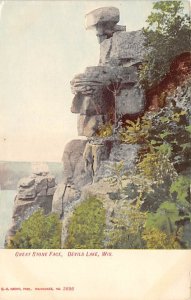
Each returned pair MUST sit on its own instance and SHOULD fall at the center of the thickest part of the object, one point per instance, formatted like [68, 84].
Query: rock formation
[105, 94]
[109, 91]
[33, 192]
[108, 94]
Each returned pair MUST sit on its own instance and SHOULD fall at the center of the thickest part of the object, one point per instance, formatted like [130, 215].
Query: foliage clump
[167, 35]
[156, 166]
[157, 215]
[167, 227]
[86, 227]
[105, 130]
[38, 232]
[135, 131]
[127, 225]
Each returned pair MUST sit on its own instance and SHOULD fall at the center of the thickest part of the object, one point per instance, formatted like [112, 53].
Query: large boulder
[102, 15]
[104, 20]
[130, 100]
[123, 48]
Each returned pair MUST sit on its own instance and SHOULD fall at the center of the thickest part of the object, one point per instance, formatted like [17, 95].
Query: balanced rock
[104, 20]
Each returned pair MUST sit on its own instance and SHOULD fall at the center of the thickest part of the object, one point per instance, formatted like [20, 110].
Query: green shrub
[180, 189]
[87, 224]
[135, 132]
[167, 26]
[38, 232]
[156, 167]
[158, 239]
[128, 223]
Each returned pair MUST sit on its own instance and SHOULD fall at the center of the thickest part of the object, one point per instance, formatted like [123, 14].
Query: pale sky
[43, 44]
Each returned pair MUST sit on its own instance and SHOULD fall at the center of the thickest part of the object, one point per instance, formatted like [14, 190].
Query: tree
[167, 35]
[38, 232]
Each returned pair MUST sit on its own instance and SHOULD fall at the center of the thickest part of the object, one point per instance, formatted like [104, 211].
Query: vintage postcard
[95, 144]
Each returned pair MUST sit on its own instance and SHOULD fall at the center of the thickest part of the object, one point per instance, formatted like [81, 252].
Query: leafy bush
[38, 232]
[167, 35]
[127, 226]
[157, 167]
[180, 191]
[135, 132]
[87, 224]
[158, 239]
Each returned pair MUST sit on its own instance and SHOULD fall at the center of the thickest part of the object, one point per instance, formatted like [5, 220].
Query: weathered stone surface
[51, 181]
[41, 183]
[91, 80]
[21, 206]
[126, 153]
[26, 193]
[95, 78]
[44, 202]
[63, 197]
[42, 192]
[51, 191]
[102, 15]
[104, 21]
[58, 198]
[94, 155]
[130, 101]
[123, 48]
[89, 105]
[26, 182]
[74, 164]
[107, 81]
[88, 126]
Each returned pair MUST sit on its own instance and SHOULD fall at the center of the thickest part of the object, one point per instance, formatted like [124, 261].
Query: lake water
[6, 210]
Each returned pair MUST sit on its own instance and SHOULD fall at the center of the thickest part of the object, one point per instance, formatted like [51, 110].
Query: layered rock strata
[33, 192]
[108, 93]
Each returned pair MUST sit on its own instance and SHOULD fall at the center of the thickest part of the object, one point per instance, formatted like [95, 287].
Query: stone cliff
[111, 104]
[106, 95]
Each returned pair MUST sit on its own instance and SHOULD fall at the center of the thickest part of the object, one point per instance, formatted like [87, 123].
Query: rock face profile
[110, 90]
[105, 96]
[33, 192]
[115, 115]
[108, 93]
